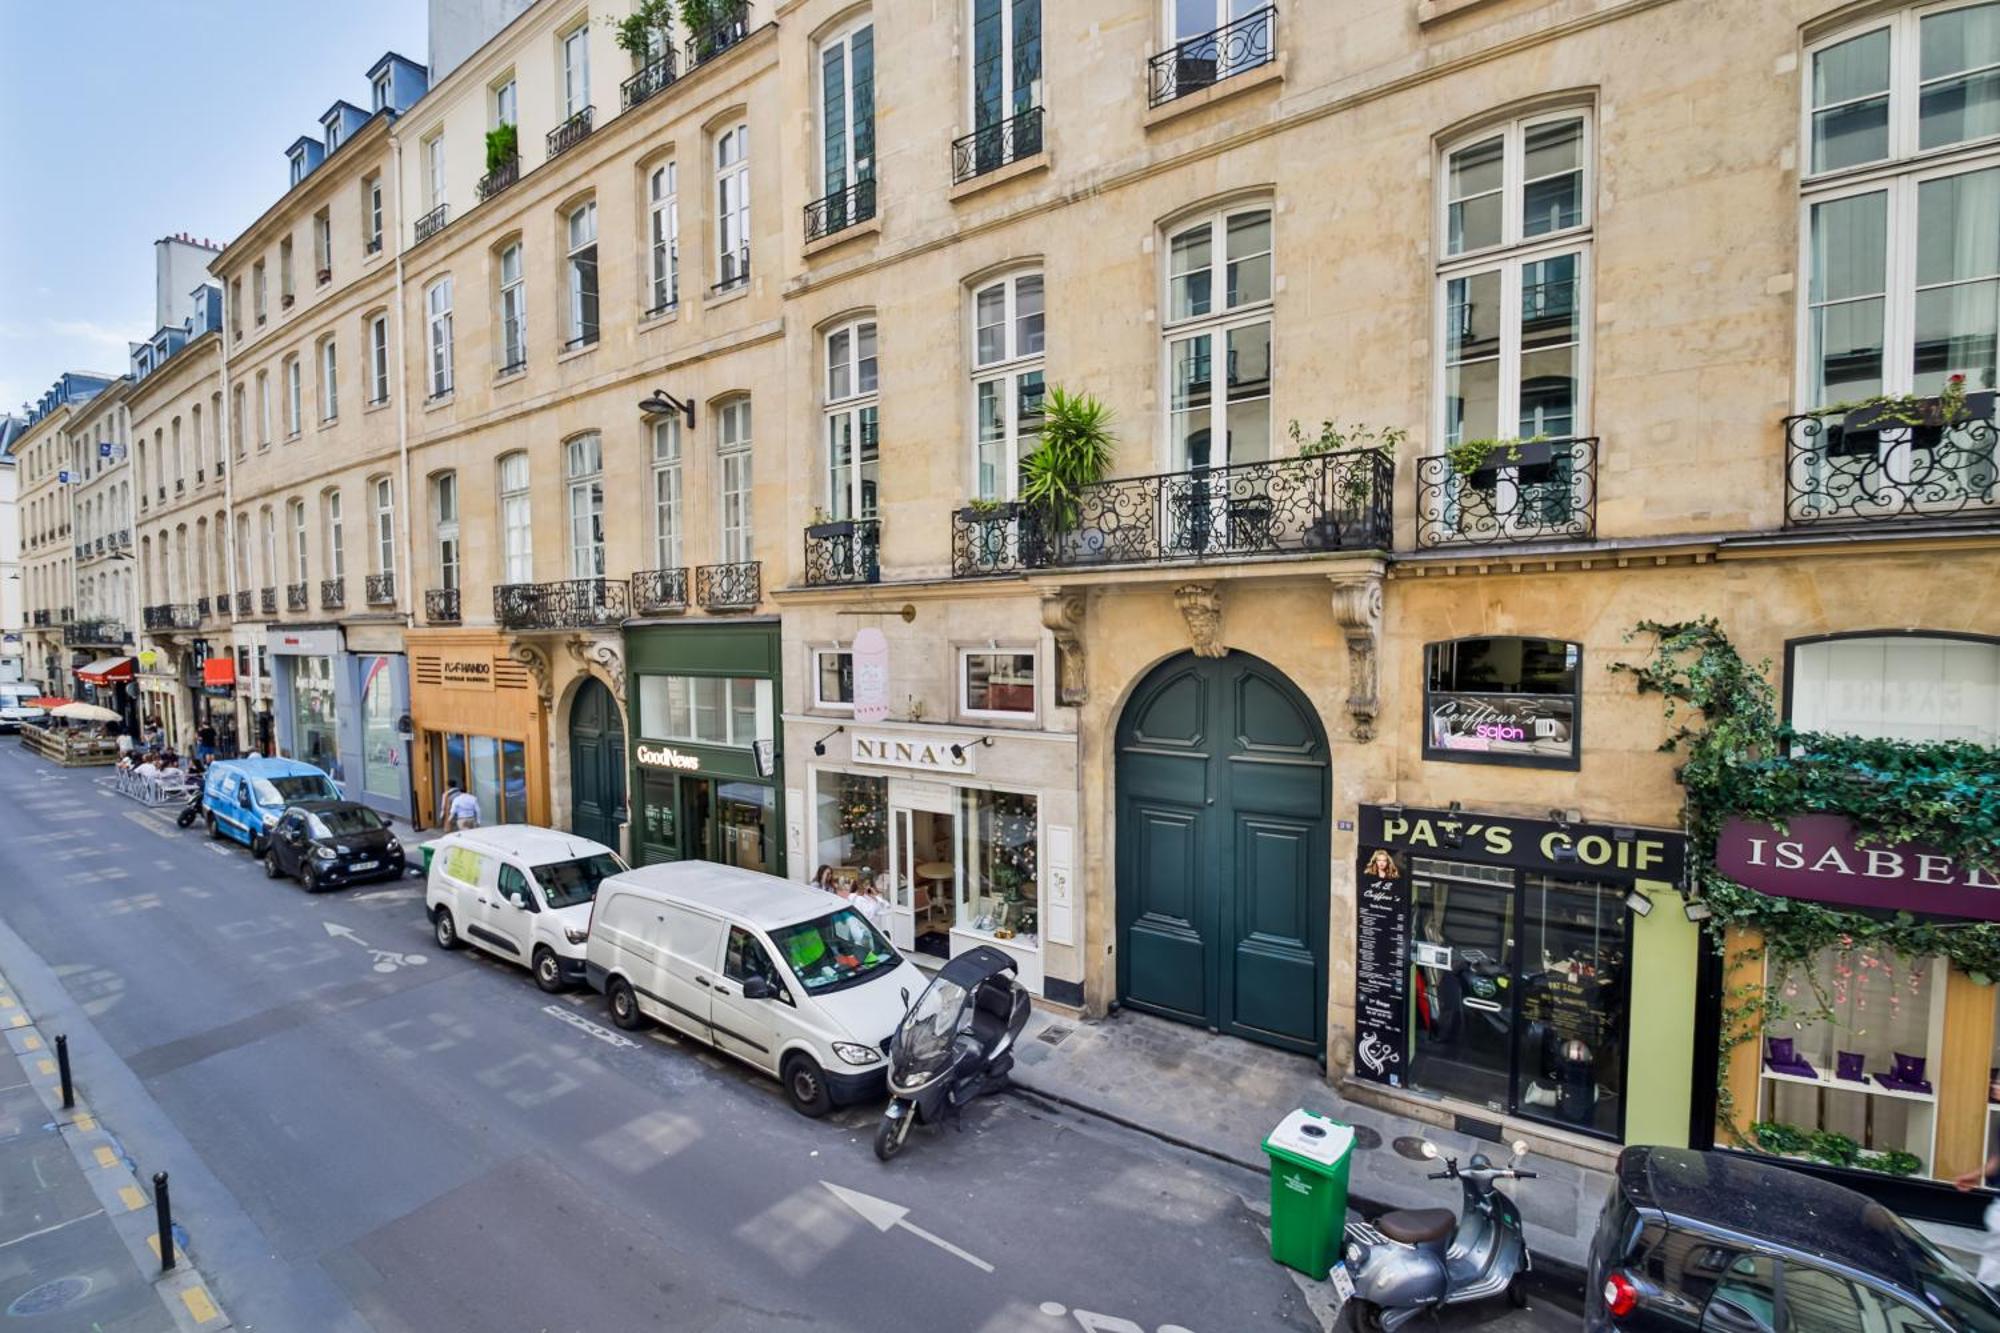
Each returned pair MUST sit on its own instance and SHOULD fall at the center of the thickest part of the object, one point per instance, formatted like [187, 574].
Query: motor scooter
[1419, 1260]
[191, 811]
[955, 1043]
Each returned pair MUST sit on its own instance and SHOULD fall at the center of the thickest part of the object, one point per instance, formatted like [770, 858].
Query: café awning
[218, 671]
[106, 670]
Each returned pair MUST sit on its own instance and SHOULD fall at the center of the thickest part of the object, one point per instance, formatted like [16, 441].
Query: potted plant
[699, 18]
[1073, 455]
[1349, 494]
[503, 147]
[645, 30]
[1863, 422]
[823, 527]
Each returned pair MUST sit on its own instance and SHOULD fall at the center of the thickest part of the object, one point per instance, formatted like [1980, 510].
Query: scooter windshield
[924, 1040]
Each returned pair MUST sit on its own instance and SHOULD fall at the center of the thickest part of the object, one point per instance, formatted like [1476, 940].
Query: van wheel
[444, 928]
[624, 1005]
[271, 868]
[214, 829]
[1517, 1291]
[259, 844]
[548, 971]
[805, 1086]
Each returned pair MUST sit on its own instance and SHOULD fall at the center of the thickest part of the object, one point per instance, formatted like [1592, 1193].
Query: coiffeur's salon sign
[1593, 851]
[1815, 857]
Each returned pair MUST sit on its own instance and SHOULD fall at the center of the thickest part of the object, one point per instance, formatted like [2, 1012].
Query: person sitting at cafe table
[823, 877]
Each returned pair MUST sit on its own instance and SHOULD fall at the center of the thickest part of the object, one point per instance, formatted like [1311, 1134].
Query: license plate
[361, 865]
[1343, 1284]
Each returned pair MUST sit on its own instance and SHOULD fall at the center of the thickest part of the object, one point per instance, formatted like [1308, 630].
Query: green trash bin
[428, 850]
[1309, 1158]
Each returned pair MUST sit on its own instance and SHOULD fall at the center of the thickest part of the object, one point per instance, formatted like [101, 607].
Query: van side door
[507, 912]
[685, 979]
[743, 1026]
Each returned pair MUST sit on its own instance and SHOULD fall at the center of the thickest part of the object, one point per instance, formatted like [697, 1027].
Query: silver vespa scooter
[1418, 1260]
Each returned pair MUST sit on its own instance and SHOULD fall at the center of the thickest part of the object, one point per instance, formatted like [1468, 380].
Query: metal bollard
[164, 1211]
[62, 1063]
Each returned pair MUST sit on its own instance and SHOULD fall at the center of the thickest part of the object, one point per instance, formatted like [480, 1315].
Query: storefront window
[712, 710]
[496, 770]
[1001, 892]
[381, 743]
[483, 768]
[998, 683]
[1502, 701]
[313, 735]
[851, 811]
[746, 811]
[833, 678]
[514, 780]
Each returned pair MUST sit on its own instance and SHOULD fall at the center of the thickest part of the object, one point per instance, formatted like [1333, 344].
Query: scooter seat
[1415, 1226]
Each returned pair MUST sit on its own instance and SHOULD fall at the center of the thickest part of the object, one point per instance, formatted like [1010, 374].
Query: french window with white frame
[444, 527]
[378, 360]
[583, 467]
[1004, 81]
[1008, 380]
[513, 311]
[732, 447]
[832, 673]
[581, 269]
[576, 69]
[847, 120]
[336, 536]
[437, 301]
[732, 207]
[852, 410]
[667, 493]
[294, 396]
[664, 231]
[301, 541]
[329, 381]
[385, 526]
[517, 532]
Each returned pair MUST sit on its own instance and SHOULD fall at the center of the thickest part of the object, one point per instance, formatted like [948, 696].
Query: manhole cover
[1410, 1146]
[50, 1296]
[1366, 1138]
[1053, 1034]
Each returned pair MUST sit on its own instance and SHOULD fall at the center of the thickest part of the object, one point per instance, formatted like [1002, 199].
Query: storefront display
[312, 736]
[383, 768]
[478, 727]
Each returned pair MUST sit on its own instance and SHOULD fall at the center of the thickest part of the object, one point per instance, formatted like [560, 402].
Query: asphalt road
[367, 1134]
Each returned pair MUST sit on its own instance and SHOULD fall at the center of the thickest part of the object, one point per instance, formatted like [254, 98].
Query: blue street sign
[104, 448]
[63, 476]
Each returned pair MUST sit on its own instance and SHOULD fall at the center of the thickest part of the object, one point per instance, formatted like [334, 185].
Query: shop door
[596, 764]
[1462, 943]
[659, 834]
[1222, 851]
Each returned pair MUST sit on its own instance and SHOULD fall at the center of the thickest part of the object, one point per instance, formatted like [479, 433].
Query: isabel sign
[933, 756]
[1816, 858]
[665, 756]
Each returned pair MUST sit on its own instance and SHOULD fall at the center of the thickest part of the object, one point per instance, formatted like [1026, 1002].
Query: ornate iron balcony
[379, 589]
[40, 620]
[332, 594]
[1526, 491]
[1201, 62]
[735, 272]
[571, 132]
[659, 592]
[431, 223]
[513, 367]
[734, 587]
[201, 607]
[95, 633]
[844, 551]
[1289, 506]
[171, 616]
[243, 602]
[500, 177]
[267, 601]
[649, 80]
[841, 209]
[730, 25]
[295, 597]
[1872, 465]
[441, 606]
[564, 604]
[995, 146]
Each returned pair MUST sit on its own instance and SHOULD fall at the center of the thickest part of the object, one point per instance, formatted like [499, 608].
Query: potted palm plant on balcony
[503, 145]
[1072, 455]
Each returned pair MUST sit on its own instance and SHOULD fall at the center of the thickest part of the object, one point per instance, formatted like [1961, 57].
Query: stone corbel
[1357, 609]
[603, 654]
[536, 660]
[1201, 607]
[1062, 613]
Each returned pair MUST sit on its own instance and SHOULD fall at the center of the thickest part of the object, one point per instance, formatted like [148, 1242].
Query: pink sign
[871, 676]
[1816, 858]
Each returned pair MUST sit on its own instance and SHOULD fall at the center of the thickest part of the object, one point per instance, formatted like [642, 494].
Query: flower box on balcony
[841, 527]
[1862, 427]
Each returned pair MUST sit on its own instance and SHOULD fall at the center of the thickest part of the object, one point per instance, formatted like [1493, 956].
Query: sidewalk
[77, 1239]
[1221, 1095]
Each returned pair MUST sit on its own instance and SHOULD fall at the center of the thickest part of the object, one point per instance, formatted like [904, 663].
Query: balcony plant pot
[1860, 431]
[842, 527]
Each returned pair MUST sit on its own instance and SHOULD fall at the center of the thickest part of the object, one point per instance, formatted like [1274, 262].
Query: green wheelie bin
[1309, 1159]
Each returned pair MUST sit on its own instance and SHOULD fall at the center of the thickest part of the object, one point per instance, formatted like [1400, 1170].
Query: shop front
[1533, 969]
[480, 727]
[215, 700]
[339, 707]
[110, 682]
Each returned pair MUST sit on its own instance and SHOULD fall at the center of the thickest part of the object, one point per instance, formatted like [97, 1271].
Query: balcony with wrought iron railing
[844, 551]
[498, 179]
[297, 597]
[379, 589]
[735, 272]
[1913, 461]
[840, 210]
[997, 145]
[431, 223]
[201, 608]
[648, 81]
[441, 606]
[244, 602]
[267, 601]
[562, 604]
[1513, 491]
[1195, 64]
[171, 616]
[95, 633]
[660, 592]
[729, 24]
[571, 132]
[332, 594]
[1310, 505]
[40, 620]
[730, 587]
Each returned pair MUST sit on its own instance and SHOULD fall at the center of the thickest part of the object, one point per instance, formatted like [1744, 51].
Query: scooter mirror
[1430, 1150]
[1520, 1147]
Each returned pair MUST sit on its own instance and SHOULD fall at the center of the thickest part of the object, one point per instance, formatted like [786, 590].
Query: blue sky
[122, 121]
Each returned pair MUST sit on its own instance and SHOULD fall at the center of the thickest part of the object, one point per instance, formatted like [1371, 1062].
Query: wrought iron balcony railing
[734, 587]
[379, 589]
[1289, 506]
[295, 597]
[267, 601]
[441, 606]
[431, 223]
[564, 604]
[730, 25]
[201, 608]
[650, 79]
[660, 592]
[735, 272]
[1876, 466]
[840, 210]
[243, 602]
[95, 633]
[40, 620]
[500, 177]
[1201, 62]
[845, 551]
[995, 146]
[571, 132]
[1525, 491]
[171, 616]
[332, 594]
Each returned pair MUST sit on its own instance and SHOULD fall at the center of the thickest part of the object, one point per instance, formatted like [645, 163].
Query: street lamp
[661, 403]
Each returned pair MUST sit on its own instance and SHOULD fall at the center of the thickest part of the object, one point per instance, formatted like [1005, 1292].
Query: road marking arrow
[884, 1216]
[342, 932]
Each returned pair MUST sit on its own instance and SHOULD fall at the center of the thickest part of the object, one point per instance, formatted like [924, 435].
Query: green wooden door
[596, 764]
[1222, 851]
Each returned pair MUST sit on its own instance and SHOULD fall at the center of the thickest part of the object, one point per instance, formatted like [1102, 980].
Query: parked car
[327, 844]
[15, 708]
[1723, 1243]
[521, 893]
[243, 798]
[780, 976]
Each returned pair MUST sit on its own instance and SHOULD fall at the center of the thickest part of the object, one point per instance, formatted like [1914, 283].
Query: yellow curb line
[199, 1305]
[106, 1157]
[131, 1197]
[46, 1066]
[85, 1123]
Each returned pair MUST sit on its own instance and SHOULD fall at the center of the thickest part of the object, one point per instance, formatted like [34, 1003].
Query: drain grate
[1053, 1034]
[50, 1296]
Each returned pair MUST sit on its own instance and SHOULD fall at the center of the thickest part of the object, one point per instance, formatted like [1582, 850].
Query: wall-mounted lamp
[663, 404]
[1638, 902]
[1698, 911]
[958, 750]
[819, 746]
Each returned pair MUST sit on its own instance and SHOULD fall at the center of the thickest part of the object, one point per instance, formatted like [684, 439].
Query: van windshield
[569, 883]
[835, 951]
[283, 791]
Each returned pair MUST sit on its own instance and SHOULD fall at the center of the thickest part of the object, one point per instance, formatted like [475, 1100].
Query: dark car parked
[331, 843]
[1723, 1243]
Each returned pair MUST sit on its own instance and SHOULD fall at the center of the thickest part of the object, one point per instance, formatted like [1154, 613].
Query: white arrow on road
[883, 1216]
[342, 932]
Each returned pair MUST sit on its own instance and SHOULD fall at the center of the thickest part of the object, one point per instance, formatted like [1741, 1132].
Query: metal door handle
[722, 990]
[701, 981]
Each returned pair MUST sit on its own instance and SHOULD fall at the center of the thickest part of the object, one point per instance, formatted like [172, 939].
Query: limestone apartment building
[43, 453]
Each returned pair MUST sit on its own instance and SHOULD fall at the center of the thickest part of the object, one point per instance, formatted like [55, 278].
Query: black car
[331, 843]
[1723, 1243]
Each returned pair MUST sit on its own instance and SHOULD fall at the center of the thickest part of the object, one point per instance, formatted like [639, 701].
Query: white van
[15, 708]
[519, 892]
[785, 978]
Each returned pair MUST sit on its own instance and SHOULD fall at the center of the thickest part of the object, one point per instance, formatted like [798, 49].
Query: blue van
[244, 797]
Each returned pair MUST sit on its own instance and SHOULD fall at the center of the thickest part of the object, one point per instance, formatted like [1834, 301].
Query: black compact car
[1723, 1243]
[330, 843]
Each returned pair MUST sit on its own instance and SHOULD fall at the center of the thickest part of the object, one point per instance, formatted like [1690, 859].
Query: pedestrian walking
[465, 811]
[451, 791]
[267, 727]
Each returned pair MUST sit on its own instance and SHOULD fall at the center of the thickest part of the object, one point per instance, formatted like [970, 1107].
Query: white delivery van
[519, 892]
[15, 708]
[788, 979]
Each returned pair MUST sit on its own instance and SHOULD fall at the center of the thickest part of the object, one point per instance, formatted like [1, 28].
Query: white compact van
[789, 979]
[519, 892]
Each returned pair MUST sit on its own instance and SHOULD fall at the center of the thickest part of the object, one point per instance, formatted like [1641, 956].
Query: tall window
[336, 538]
[1904, 286]
[323, 244]
[505, 110]
[438, 301]
[667, 493]
[300, 540]
[285, 285]
[665, 227]
[1007, 381]
[847, 108]
[852, 435]
[582, 226]
[237, 427]
[1913, 687]
[732, 206]
[379, 91]
[263, 408]
[434, 170]
[576, 70]
[329, 382]
[378, 359]
[294, 398]
[513, 311]
[1219, 320]
[517, 534]
[1006, 63]
[732, 447]
[583, 466]
[242, 551]
[371, 211]
[444, 525]
[260, 290]
[385, 526]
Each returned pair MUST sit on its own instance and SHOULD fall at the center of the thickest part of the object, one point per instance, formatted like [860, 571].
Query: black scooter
[192, 810]
[956, 1043]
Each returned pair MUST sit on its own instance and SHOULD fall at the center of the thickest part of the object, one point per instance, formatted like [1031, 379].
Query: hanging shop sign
[932, 755]
[1382, 968]
[1620, 853]
[1815, 857]
[665, 756]
[871, 675]
[466, 673]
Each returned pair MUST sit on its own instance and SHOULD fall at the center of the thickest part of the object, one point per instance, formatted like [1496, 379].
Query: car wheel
[548, 970]
[624, 1005]
[309, 878]
[1517, 1291]
[1364, 1316]
[805, 1086]
[444, 928]
[272, 870]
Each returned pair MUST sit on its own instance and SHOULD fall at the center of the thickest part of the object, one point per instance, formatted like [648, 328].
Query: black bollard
[165, 1212]
[62, 1063]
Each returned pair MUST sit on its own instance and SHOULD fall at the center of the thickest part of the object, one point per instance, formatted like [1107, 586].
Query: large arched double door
[596, 764]
[1223, 789]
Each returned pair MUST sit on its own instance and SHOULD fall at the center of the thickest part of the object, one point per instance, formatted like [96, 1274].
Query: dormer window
[332, 133]
[381, 93]
[298, 165]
